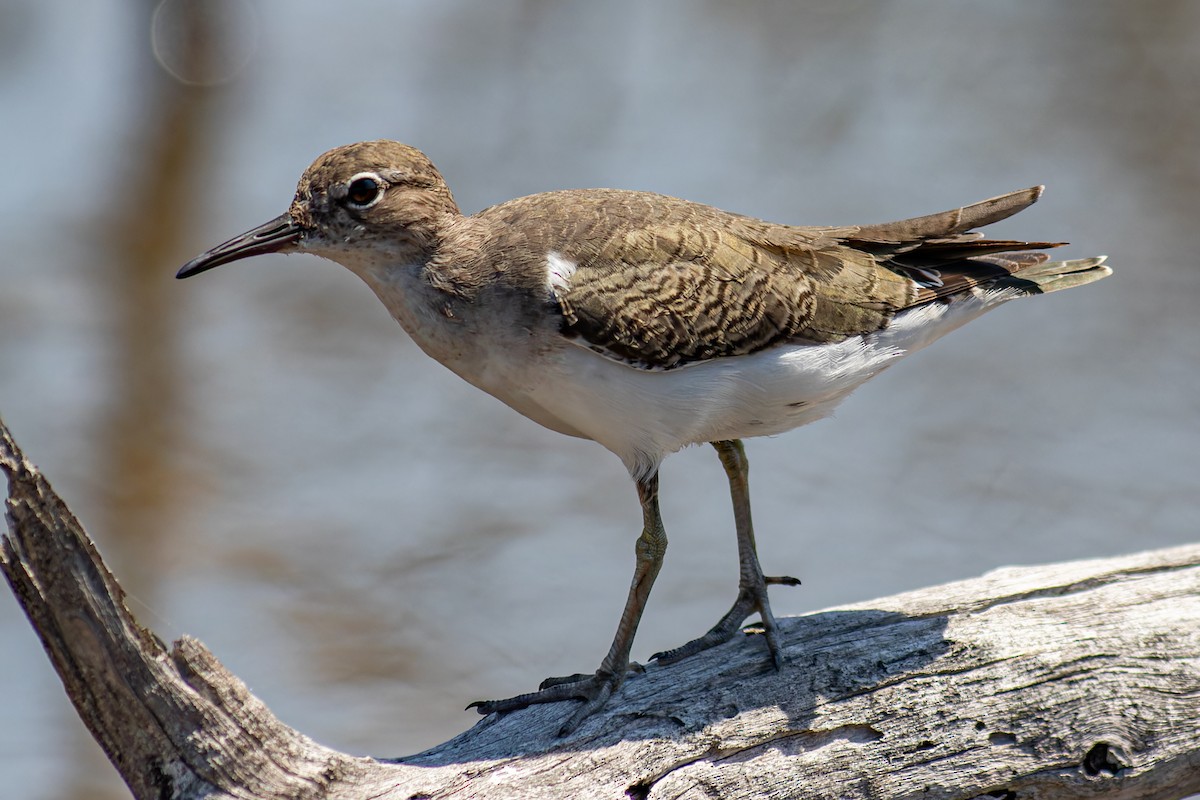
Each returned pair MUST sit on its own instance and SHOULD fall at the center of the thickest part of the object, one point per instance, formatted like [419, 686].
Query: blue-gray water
[369, 542]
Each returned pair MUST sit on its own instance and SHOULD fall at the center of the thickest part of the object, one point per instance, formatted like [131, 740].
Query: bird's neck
[431, 291]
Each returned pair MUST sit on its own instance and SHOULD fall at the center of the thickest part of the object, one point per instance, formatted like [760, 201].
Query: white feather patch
[559, 270]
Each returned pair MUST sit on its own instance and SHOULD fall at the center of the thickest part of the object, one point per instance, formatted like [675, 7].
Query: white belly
[644, 415]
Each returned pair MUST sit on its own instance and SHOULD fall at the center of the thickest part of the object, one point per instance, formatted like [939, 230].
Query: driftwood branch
[1064, 681]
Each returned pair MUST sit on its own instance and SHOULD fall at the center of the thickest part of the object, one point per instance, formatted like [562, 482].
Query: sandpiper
[648, 323]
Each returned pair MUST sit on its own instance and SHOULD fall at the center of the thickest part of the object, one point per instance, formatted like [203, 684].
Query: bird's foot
[594, 690]
[752, 597]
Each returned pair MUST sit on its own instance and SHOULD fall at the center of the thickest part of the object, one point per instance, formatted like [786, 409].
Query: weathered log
[1062, 681]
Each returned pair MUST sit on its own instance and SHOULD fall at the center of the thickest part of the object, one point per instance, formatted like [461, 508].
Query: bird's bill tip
[275, 236]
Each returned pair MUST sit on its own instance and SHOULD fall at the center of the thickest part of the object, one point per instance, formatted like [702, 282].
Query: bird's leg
[752, 584]
[595, 689]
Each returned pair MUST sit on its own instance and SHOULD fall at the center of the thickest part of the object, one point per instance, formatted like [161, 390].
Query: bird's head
[361, 199]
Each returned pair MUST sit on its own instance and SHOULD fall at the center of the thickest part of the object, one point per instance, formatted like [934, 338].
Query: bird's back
[662, 282]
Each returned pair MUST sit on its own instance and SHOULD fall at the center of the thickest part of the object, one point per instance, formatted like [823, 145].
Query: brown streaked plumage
[647, 323]
[664, 282]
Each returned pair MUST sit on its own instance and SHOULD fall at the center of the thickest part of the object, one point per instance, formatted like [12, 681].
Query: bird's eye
[363, 191]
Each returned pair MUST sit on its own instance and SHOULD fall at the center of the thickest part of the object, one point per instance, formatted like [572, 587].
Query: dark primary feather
[662, 282]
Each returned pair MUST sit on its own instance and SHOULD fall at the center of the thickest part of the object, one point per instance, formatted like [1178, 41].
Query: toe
[594, 690]
[604, 691]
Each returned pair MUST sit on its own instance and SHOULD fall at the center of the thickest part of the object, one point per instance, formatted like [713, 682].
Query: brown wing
[698, 283]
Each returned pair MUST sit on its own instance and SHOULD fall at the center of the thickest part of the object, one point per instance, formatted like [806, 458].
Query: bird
[647, 323]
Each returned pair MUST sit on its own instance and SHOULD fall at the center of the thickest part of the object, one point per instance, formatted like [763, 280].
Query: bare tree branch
[1063, 681]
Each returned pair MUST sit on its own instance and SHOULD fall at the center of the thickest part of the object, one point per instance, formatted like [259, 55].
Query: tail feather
[934, 253]
[1029, 273]
[954, 224]
[1051, 276]
[946, 257]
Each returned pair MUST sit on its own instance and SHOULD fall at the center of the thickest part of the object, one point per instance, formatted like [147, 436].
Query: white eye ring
[364, 190]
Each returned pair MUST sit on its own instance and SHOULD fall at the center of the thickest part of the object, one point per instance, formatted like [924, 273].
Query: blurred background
[270, 465]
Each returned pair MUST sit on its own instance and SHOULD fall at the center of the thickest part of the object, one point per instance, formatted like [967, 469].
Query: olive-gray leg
[752, 584]
[595, 689]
